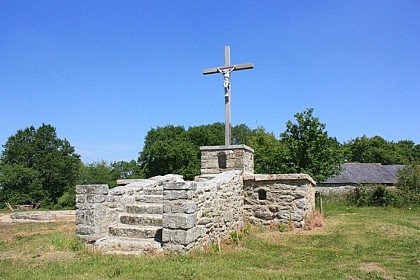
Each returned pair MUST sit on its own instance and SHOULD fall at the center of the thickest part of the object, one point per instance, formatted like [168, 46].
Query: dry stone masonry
[167, 214]
[218, 159]
[285, 198]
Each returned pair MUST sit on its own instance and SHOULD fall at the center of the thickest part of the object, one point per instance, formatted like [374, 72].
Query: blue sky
[105, 72]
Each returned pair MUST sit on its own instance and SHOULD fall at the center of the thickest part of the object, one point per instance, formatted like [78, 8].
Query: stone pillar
[219, 159]
[179, 232]
[91, 212]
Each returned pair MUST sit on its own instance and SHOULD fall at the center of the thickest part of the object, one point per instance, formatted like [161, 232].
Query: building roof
[365, 173]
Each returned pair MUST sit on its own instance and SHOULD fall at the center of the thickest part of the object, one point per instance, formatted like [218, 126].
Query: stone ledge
[136, 182]
[278, 177]
[230, 147]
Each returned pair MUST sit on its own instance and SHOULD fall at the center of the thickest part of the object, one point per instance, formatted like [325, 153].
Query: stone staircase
[139, 227]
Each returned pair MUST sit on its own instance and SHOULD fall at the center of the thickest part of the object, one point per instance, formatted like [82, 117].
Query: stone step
[142, 219]
[144, 208]
[149, 198]
[145, 232]
[128, 246]
[152, 191]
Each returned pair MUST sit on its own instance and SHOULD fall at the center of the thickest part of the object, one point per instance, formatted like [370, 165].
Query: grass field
[356, 243]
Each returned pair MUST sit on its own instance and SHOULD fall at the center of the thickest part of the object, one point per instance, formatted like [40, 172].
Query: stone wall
[278, 198]
[340, 191]
[198, 214]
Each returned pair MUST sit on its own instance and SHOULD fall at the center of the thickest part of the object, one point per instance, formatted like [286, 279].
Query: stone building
[168, 214]
[357, 174]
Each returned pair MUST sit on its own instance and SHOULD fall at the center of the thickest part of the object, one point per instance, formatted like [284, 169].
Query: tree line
[36, 165]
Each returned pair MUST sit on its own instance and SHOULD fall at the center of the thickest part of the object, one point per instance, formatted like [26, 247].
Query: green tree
[310, 149]
[207, 135]
[378, 150]
[126, 170]
[169, 150]
[98, 172]
[364, 149]
[172, 149]
[101, 172]
[36, 165]
[269, 153]
[242, 134]
[407, 152]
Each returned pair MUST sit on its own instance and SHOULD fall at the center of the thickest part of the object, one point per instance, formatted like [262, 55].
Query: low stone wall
[335, 191]
[197, 214]
[278, 198]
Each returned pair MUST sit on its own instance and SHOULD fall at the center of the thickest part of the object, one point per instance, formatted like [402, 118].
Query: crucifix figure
[225, 71]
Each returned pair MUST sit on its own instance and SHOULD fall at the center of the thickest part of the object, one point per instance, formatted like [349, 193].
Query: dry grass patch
[42, 241]
[315, 221]
[9, 231]
[372, 267]
[376, 269]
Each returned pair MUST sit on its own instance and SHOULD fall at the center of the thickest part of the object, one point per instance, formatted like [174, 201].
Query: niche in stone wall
[221, 159]
[262, 194]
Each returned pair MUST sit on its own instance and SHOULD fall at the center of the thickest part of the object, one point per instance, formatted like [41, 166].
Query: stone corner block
[179, 221]
[183, 237]
[180, 206]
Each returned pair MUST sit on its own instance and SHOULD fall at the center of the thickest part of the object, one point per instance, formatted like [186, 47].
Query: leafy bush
[409, 184]
[360, 196]
[14, 197]
[67, 200]
[379, 195]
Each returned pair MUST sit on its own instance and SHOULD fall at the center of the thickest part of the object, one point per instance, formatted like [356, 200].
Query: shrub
[383, 196]
[377, 195]
[409, 179]
[67, 200]
[360, 196]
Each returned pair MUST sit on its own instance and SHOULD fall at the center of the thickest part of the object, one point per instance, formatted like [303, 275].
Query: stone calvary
[167, 214]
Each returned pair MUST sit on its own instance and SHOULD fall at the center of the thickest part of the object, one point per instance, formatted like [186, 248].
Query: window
[221, 158]
[262, 195]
